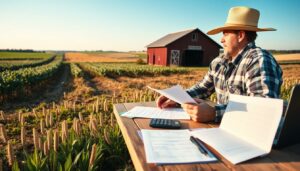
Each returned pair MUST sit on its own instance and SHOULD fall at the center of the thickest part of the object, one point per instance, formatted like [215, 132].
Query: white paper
[172, 146]
[154, 112]
[229, 146]
[139, 132]
[254, 119]
[247, 129]
[176, 93]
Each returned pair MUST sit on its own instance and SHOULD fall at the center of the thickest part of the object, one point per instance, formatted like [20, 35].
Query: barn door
[153, 59]
[175, 54]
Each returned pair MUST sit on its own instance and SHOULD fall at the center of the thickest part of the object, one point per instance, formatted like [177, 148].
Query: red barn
[185, 48]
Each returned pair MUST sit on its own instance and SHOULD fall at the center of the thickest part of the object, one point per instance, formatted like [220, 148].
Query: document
[154, 112]
[172, 146]
[247, 129]
[176, 93]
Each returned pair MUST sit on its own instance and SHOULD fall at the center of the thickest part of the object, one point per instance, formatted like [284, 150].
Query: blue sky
[126, 25]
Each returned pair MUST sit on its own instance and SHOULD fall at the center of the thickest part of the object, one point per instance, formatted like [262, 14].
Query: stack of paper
[175, 93]
[172, 146]
[154, 112]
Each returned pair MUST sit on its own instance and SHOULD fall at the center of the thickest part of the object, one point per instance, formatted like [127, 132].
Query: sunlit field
[57, 114]
[104, 57]
[288, 58]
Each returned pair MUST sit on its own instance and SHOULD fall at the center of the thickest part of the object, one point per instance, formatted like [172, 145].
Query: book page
[154, 112]
[172, 146]
[253, 119]
[176, 93]
[229, 146]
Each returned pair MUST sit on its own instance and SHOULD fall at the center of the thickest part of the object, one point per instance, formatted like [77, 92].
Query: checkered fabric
[254, 72]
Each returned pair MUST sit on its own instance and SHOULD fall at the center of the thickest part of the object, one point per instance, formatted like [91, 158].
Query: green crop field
[59, 116]
[23, 55]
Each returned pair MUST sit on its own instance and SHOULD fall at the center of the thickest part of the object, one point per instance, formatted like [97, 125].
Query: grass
[23, 55]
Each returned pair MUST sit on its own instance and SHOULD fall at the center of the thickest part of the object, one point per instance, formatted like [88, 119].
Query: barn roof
[169, 38]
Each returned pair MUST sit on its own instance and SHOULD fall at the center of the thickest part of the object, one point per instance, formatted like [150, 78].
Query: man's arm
[264, 76]
[202, 111]
[204, 88]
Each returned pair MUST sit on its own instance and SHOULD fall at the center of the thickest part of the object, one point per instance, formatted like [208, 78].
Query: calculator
[165, 123]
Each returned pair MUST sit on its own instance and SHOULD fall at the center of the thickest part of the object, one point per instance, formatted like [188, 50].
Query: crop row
[129, 69]
[286, 88]
[12, 80]
[75, 70]
[68, 136]
[23, 55]
[33, 63]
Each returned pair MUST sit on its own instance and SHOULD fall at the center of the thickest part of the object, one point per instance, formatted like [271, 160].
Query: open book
[247, 131]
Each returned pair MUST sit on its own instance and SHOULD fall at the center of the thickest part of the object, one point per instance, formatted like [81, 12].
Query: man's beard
[226, 55]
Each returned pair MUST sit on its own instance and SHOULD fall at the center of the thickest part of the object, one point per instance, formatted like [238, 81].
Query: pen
[199, 145]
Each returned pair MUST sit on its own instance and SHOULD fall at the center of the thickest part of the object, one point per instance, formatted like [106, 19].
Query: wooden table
[283, 159]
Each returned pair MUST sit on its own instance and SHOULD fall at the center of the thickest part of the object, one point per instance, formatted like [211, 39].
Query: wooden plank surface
[134, 144]
[284, 159]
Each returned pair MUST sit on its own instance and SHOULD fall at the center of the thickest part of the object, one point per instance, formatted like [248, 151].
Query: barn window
[194, 37]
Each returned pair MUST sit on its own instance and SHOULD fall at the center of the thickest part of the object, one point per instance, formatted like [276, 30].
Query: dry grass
[101, 57]
[130, 85]
[288, 57]
[291, 71]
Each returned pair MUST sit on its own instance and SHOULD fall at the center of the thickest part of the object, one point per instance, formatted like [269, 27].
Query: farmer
[242, 69]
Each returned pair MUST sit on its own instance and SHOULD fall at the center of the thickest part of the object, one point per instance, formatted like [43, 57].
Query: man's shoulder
[257, 53]
[261, 57]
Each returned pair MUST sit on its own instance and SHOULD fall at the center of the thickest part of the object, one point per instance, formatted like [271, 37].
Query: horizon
[131, 25]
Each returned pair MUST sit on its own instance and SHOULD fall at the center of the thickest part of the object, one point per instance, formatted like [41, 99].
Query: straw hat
[241, 18]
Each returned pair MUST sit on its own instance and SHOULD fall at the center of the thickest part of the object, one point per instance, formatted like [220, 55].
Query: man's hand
[200, 112]
[164, 102]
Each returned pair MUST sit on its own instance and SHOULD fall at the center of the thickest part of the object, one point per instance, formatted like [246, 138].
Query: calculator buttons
[165, 123]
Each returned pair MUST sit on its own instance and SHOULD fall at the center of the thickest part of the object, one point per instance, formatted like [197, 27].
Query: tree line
[21, 50]
[283, 51]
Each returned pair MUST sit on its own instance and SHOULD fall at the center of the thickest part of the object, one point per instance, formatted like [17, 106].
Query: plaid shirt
[254, 72]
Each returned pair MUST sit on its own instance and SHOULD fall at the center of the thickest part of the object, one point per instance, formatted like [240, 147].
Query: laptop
[287, 133]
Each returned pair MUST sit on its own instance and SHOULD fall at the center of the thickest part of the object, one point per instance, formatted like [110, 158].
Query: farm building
[185, 48]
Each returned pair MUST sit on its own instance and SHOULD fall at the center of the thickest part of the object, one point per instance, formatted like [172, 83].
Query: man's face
[230, 43]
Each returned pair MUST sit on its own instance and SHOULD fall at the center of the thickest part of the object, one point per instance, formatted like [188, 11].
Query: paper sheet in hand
[175, 93]
[154, 112]
[247, 129]
[172, 146]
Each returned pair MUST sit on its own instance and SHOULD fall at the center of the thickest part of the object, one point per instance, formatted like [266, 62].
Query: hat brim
[245, 28]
